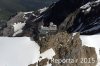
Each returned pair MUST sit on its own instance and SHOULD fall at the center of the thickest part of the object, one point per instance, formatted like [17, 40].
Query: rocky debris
[52, 41]
[68, 46]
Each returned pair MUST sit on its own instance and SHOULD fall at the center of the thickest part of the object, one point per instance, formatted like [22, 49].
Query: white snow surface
[21, 51]
[47, 54]
[85, 6]
[20, 31]
[89, 9]
[74, 34]
[18, 26]
[18, 51]
[92, 41]
[43, 9]
[28, 12]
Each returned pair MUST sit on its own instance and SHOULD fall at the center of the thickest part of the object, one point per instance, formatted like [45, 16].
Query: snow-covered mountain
[83, 17]
[67, 16]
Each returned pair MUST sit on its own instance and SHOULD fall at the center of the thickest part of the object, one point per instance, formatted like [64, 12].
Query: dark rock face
[86, 24]
[57, 12]
[69, 21]
[68, 15]
[67, 46]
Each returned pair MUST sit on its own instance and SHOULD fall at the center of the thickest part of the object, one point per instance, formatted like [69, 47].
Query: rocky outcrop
[9, 29]
[67, 47]
[69, 21]
[17, 24]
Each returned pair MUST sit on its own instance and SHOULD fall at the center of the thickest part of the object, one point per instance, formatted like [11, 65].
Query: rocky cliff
[69, 47]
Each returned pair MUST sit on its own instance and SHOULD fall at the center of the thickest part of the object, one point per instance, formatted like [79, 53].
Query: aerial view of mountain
[49, 32]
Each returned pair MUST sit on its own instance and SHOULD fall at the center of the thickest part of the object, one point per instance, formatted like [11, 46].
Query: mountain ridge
[9, 8]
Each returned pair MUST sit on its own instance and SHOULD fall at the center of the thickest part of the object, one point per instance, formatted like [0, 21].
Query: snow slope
[18, 51]
[92, 41]
[21, 51]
